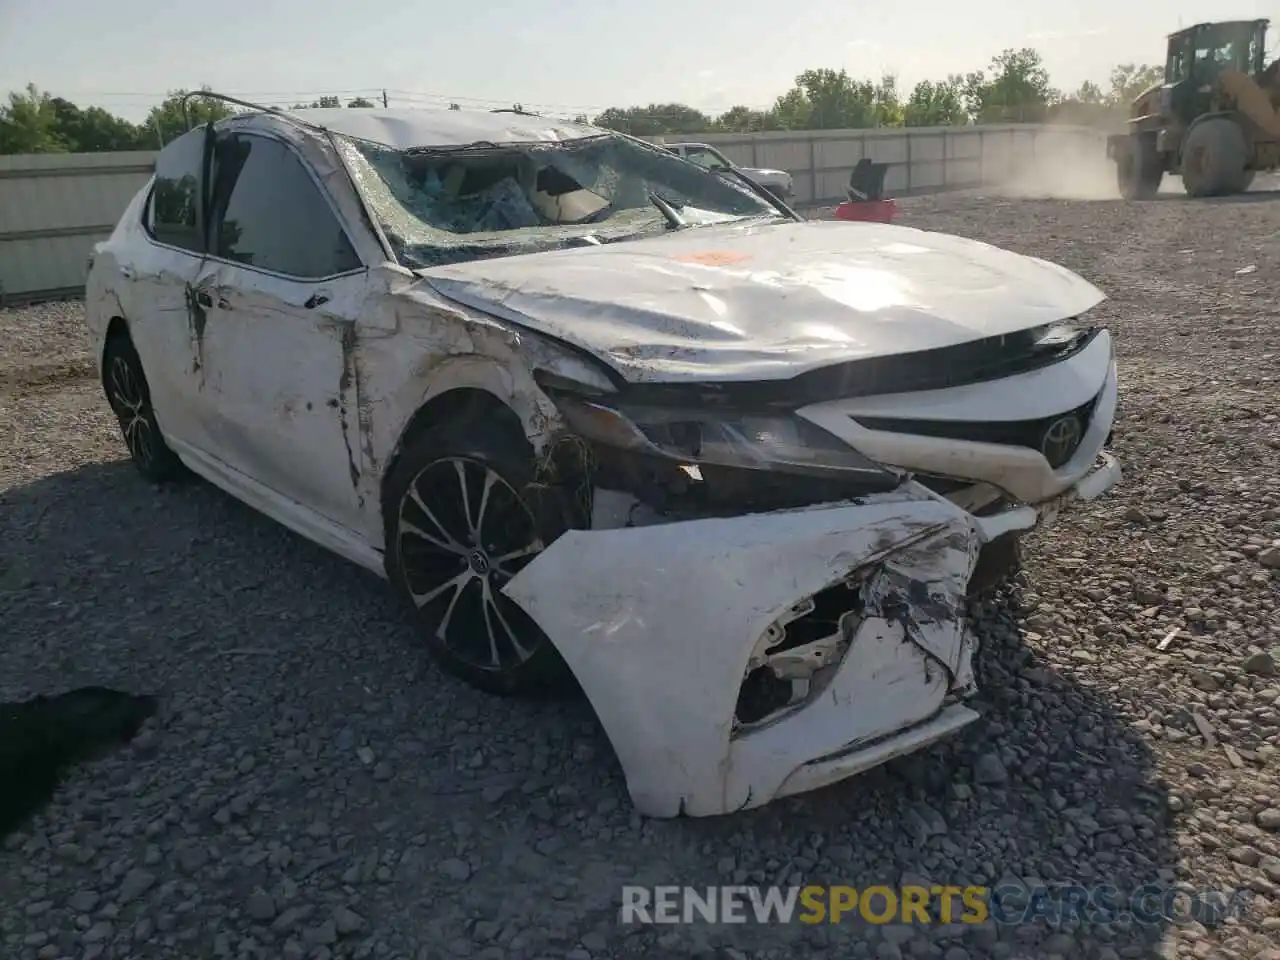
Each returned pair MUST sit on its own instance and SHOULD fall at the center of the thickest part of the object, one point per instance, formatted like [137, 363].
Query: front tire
[460, 522]
[1139, 169]
[998, 563]
[1214, 158]
[129, 395]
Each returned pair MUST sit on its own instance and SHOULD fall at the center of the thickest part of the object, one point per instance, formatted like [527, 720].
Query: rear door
[280, 290]
[157, 278]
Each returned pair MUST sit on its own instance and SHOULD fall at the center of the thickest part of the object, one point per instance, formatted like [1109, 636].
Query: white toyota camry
[601, 415]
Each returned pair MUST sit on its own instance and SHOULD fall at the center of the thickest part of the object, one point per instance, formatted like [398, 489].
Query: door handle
[127, 272]
[316, 300]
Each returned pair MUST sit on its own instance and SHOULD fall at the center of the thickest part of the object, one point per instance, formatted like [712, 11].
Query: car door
[156, 280]
[280, 290]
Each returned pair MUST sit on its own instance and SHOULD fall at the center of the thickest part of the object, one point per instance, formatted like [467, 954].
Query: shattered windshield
[448, 205]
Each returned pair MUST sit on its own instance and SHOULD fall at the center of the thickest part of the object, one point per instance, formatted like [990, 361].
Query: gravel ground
[316, 788]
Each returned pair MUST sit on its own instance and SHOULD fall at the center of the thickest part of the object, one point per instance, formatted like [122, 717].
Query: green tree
[1128, 81]
[745, 120]
[1087, 106]
[29, 124]
[936, 104]
[94, 130]
[655, 119]
[1089, 93]
[322, 103]
[792, 110]
[838, 101]
[890, 111]
[167, 119]
[826, 99]
[1017, 91]
[359, 102]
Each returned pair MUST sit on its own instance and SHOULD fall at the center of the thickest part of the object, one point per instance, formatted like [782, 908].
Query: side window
[1176, 70]
[269, 213]
[706, 158]
[171, 214]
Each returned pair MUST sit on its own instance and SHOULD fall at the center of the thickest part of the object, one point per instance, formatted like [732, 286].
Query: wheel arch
[441, 407]
[471, 384]
[117, 329]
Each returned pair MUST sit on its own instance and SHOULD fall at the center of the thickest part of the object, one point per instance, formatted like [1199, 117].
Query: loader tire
[1213, 159]
[1139, 170]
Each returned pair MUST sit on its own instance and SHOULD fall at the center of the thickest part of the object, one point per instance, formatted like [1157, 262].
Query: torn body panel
[413, 346]
[274, 385]
[144, 284]
[660, 625]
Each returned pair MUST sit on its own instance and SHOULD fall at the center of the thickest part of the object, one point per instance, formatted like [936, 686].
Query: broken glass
[446, 205]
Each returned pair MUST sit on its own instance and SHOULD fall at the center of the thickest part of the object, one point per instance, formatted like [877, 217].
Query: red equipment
[872, 211]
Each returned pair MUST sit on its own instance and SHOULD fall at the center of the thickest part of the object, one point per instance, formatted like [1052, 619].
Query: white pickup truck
[777, 182]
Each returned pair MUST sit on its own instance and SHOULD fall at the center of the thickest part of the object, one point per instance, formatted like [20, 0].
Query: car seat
[866, 182]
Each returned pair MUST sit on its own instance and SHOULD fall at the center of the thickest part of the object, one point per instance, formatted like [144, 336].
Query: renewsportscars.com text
[1012, 904]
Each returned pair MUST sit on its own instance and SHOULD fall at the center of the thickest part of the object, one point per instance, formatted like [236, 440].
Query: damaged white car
[599, 414]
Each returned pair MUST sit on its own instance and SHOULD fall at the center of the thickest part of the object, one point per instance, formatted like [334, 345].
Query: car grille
[1057, 437]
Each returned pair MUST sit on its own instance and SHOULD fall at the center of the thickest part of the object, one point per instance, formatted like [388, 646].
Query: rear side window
[269, 213]
[172, 211]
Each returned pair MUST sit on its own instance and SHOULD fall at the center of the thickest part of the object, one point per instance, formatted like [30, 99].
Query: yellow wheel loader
[1215, 120]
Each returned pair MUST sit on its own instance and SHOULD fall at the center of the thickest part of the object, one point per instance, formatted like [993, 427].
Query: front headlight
[766, 441]
[1062, 334]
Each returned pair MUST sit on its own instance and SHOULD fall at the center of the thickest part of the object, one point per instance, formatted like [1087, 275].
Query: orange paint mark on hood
[714, 258]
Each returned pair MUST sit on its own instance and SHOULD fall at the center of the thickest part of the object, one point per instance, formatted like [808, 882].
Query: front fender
[658, 624]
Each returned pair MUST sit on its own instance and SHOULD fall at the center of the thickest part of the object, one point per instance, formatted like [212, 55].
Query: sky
[560, 56]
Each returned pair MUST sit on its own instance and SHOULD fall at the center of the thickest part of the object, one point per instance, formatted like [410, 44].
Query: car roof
[1227, 24]
[405, 129]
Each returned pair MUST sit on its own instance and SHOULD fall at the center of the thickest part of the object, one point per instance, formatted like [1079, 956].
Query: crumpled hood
[767, 300]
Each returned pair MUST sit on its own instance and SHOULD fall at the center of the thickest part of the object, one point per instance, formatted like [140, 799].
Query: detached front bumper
[1104, 475]
[658, 623]
[661, 625]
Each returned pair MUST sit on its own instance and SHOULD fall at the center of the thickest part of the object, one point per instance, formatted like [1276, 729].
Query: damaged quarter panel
[658, 625]
[143, 283]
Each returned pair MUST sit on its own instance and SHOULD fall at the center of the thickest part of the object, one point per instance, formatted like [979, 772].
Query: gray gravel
[314, 787]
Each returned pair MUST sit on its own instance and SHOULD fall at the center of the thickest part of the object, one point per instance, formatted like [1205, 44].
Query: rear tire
[1139, 169]
[129, 395]
[460, 521]
[1213, 159]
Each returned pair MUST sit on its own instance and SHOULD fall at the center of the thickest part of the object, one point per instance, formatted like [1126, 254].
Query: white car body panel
[1021, 472]
[706, 304]
[658, 623]
[294, 396]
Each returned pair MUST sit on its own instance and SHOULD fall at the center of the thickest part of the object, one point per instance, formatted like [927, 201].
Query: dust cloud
[1065, 168]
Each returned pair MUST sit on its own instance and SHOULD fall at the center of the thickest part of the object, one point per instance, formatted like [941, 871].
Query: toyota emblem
[1061, 439]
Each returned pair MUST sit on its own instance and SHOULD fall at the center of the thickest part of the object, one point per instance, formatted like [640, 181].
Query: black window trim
[337, 215]
[207, 254]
